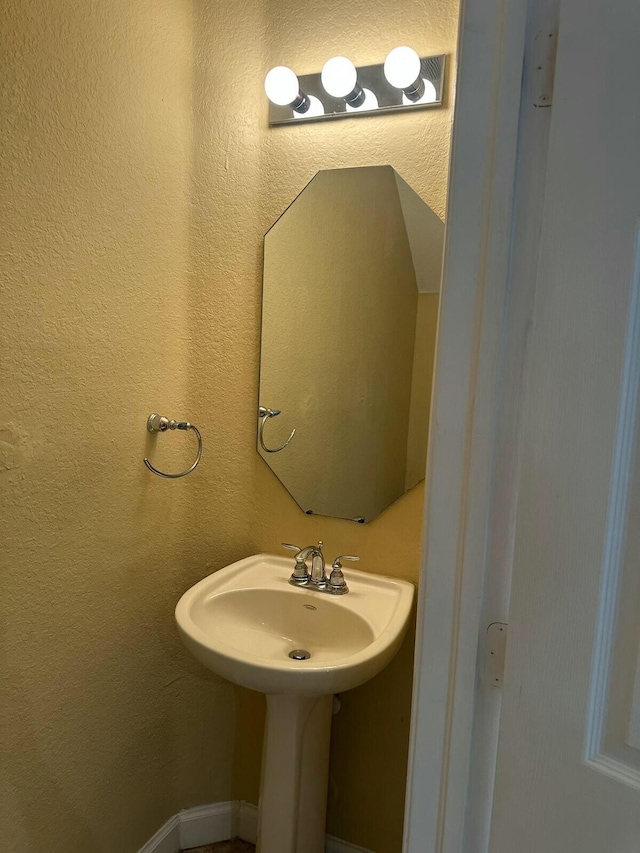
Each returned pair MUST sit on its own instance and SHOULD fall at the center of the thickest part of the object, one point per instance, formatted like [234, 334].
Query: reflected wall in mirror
[349, 312]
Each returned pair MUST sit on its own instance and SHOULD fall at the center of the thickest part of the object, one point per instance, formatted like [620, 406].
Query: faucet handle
[300, 576]
[338, 565]
[337, 584]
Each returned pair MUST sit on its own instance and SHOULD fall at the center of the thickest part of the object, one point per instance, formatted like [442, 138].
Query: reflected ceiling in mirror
[350, 302]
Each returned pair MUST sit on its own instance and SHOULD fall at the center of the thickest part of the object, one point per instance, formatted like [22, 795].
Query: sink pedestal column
[295, 774]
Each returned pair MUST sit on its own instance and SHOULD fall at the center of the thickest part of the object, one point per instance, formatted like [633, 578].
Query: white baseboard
[247, 822]
[207, 824]
[166, 839]
[335, 845]
[218, 822]
[193, 828]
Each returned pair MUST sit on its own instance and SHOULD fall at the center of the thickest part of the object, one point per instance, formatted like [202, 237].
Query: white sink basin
[244, 620]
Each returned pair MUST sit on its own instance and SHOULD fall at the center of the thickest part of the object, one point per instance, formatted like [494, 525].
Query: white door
[568, 772]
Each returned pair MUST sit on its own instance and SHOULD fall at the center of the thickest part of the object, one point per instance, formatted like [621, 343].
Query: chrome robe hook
[264, 414]
[158, 423]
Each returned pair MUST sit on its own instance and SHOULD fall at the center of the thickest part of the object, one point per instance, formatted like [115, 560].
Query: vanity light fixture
[405, 81]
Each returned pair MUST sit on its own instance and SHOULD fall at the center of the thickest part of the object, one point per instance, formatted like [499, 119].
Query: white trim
[334, 845]
[618, 517]
[207, 824]
[595, 753]
[464, 424]
[633, 737]
[247, 822]
[193, 828]
[166, 839]
[218, 822]
[622, 772]
[533, 145]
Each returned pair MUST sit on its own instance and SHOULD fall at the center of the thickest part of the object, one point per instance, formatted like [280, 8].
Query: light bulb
[339, 77]
[402, 67]
[282, 86]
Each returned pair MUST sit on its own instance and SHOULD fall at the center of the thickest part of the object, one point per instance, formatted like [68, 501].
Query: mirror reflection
[349, 314]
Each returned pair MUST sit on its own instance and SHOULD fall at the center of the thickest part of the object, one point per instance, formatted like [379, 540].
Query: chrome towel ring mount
[158, 423]
[264, 415]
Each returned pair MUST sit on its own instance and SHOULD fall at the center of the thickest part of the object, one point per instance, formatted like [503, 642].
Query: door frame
[477, 332]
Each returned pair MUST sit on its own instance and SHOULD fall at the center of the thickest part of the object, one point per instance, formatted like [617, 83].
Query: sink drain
[299, 654]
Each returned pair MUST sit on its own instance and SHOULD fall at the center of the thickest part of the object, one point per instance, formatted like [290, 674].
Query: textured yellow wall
[108, 725]
[139, 175]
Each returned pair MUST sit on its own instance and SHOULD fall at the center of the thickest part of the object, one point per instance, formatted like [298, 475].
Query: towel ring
[158, 423]
[265, 414]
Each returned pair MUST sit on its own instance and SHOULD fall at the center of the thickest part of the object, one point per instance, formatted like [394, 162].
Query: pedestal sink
[243, 622]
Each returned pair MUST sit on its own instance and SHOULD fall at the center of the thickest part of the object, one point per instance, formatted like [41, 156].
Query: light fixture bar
[371, 78]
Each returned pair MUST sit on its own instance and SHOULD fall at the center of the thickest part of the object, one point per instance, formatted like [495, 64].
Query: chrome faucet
[317, 578]
[301, 575]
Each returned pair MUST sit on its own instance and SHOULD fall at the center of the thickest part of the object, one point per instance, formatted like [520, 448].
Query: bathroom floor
[234, 846]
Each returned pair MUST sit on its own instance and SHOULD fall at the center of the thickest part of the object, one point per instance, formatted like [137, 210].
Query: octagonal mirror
[349, 312]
